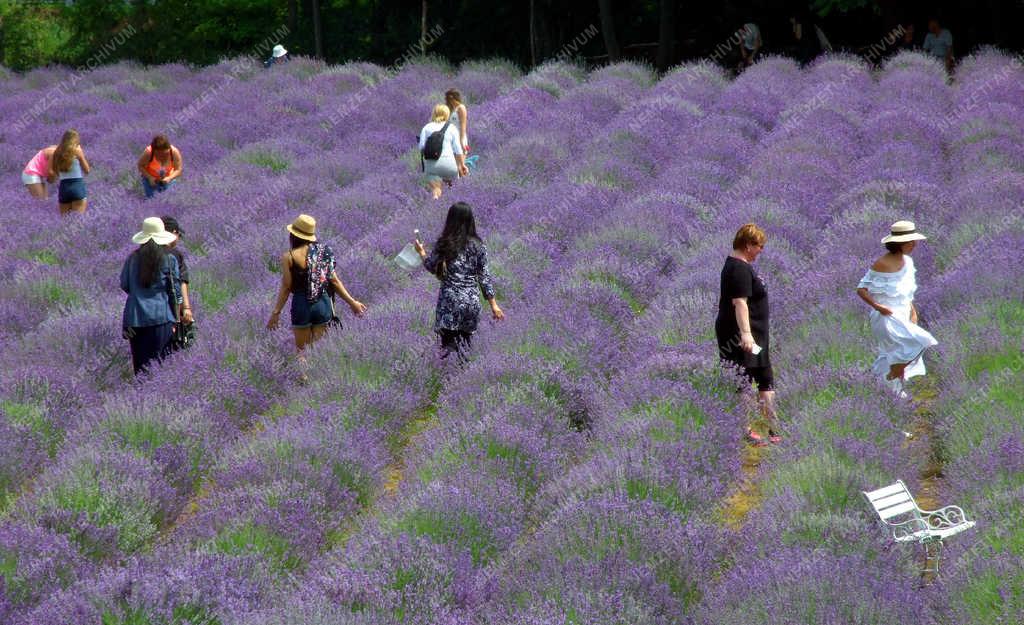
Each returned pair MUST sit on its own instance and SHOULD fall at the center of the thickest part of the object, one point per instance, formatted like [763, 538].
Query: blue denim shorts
[71, 190]
[306, 314]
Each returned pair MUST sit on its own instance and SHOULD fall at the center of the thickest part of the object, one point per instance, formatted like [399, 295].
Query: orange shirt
[154, 166]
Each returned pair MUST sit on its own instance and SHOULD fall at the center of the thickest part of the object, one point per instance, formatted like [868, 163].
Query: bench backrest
[892, 502]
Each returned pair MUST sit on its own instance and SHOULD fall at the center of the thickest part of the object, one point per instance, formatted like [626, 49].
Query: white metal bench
[899, 512]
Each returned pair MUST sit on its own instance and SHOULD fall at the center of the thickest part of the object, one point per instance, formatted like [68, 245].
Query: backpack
[435, 143]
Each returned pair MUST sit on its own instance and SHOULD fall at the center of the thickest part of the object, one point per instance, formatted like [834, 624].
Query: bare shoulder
[888, 264]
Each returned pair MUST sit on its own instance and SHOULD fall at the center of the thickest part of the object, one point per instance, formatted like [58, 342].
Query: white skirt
[899, 341]
[27, 178]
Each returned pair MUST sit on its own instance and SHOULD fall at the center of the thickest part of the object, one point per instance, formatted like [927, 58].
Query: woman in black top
[308, 277]
[742, 323]
[459, 260]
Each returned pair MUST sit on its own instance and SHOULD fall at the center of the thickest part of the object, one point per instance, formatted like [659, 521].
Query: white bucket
[408, 258]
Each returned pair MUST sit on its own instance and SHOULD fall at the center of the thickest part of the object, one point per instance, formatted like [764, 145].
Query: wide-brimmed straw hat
[903, 231]
[153, 229]
[304, 227]
[279, 51]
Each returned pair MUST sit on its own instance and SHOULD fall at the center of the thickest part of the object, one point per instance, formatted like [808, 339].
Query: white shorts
[27, 178]
[444, 168]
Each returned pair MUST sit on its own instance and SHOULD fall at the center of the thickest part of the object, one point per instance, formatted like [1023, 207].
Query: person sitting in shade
[160, 166]
[277, 55]
[938, 43]
[751, 46]
[37, 173]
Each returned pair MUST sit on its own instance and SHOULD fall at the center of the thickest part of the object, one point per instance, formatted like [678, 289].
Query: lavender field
[587, 466]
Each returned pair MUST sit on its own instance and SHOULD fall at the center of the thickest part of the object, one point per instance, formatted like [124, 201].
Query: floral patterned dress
[458, 305]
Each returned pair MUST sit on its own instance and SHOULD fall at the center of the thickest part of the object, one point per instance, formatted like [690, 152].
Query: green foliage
[250, 538]
[31, 416]
[30, 36]
[448, 528]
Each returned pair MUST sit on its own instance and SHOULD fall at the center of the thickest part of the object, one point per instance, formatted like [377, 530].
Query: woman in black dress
[459, 260]
[742, 323]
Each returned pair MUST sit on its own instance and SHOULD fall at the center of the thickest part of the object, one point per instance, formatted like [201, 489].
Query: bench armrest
[948, 516]
[908, 528]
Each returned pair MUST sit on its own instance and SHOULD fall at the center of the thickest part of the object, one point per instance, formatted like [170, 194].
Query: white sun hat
[153, 229]
[903, 231]
[279, 51]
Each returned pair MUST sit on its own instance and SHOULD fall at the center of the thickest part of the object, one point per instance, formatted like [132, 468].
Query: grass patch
[214, 293]
[44, 256]
[269, 160]
[681, 417]
[53, 293]
[252, 539]
[457, 529]
[32, 417]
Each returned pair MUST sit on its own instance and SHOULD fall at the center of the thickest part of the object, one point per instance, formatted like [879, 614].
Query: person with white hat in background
[150, 278]
[889, 287]
[277, 55]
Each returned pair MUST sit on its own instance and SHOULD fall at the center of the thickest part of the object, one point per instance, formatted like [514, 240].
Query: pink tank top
[38, 165]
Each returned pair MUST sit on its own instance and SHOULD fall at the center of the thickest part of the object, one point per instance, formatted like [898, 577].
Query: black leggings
[149, 343]
[455, 341]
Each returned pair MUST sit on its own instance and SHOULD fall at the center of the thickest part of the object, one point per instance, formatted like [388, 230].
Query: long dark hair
[459, 230]
[151, 258]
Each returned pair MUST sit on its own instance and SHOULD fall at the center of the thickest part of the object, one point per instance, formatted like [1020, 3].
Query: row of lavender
[554, 493]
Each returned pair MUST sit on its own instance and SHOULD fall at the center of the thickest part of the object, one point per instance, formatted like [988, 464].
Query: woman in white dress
[889, 287]
[460, 116]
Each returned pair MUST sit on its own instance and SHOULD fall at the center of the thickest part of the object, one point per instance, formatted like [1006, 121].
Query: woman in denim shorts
[308, 277]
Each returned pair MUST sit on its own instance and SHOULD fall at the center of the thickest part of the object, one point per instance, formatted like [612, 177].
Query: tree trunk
[666, 35]
[293, 15]
[533, 40]
[608, 28]
[423, 26]
[318, 35]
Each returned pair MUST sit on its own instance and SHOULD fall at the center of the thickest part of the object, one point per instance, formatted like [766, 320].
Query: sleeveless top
[154, 166]
[300, 277]
[74, 172]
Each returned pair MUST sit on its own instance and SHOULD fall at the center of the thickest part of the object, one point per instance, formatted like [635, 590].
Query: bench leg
[932, 554]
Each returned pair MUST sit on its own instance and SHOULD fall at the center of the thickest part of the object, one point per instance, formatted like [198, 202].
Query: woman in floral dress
[459, 260]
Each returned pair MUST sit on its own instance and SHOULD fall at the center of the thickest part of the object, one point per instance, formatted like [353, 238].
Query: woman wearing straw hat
[307, 274]
[277, 55]
[888, 287]
[150, 278]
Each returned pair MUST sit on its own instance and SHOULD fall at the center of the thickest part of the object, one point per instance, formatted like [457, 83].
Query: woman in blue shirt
[151, 280]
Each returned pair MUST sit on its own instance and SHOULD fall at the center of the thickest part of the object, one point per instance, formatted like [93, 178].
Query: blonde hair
[747, 234]
[441, 113]
[65, 152]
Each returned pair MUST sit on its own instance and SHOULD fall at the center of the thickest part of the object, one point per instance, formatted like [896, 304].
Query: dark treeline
[663, 32]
